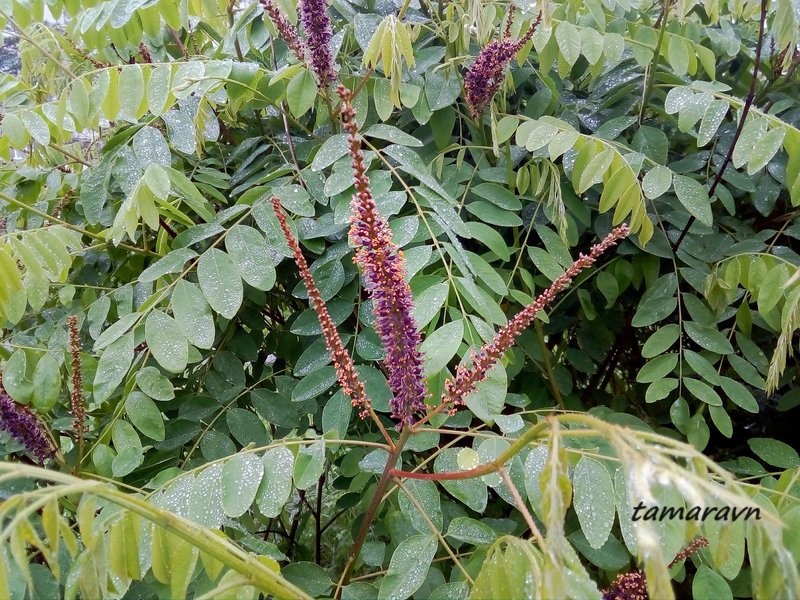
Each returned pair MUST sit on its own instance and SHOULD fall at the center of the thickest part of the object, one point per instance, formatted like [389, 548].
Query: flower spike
[319, 32]
[24, 426]
[384, 275]
[345, 369]
[77, 401]
[457, 388]
[484, 77]
[286, 30]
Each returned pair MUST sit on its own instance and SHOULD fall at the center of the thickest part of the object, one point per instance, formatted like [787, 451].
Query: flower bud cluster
[467, 378]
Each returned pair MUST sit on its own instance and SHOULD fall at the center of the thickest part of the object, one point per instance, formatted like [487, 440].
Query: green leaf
[314, 384]
[205, 497]
[309, 465]
[46, 384]
[241, 478]
[126, 461]
[489, 213]
[441, 346]
[131, 93]
[79, 102]
[408, 567]
[248, 249]
[595, 170]
[489, 237]
[678, 55]
[429, 303]
[36, 126]
[154, 384]
[18, 378]
[739, 394]
[569, 41]
[171, 263]
[301, 93]
[336, 414]
[545, 263]
[657, 182]
[712, 118]
[765, 149]
[166, 341]
[308, 576]
[702, 391]
[709, 338]
[657, 368]
[276, 485]
[470, 531]
[512, 569]
[498, 195]
[722, 420]
[392, 134]
[754, 129]
[593, 500]
[295, 199]
[701, 366]
[246, 427]
[332, 149]
[220, 281]
[488, 399]
[471, 492]
[158, 88]
[694, 197]
[427, 496]
[112, 367]
[13, 130]
[710, 585]
[193, 314]
[661, 340]
[145, 415]
[660, 389]
[774, 452]
[536, 134]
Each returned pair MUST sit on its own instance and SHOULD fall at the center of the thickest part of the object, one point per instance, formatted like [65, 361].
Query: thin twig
[748, 102]
[526, 514]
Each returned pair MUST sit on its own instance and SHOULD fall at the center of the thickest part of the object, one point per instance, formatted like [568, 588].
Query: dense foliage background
[155, 327]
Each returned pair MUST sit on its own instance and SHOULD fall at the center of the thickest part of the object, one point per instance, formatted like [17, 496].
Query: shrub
[224, 227]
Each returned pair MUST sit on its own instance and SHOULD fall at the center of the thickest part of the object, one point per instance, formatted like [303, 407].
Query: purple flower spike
[317, 25]
[384, 275]
[24, 426]
[286, 30]
[484, 77]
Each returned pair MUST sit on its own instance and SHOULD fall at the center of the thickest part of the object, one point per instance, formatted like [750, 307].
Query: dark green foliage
[141, 146]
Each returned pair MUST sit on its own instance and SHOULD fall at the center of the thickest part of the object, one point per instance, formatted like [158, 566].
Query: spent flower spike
[384, 275]
[466, 379]
[77, 402]
[343, 363]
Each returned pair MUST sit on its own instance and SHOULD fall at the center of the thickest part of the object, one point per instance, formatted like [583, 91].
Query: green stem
[484, 469]
[548, 365]
[69, 154]
[656, 57]
[94, 236]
